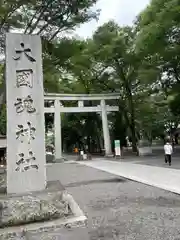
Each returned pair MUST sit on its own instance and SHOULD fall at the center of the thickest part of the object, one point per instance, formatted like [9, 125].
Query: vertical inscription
[24, 78]
[25, 133]
[25, 51]
[25, 163]
[25, 104]
[26, 170]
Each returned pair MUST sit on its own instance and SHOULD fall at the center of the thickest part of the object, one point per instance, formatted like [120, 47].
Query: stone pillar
[26, 169]
[107, 141]
[57, 130]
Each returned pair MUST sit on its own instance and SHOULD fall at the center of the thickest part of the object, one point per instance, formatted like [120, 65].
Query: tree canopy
[141, 63]
[47, 18]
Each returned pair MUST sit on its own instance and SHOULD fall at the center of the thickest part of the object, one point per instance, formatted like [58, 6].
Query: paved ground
[159, 150]
[157, 161]
[120, 209]
[165, 178]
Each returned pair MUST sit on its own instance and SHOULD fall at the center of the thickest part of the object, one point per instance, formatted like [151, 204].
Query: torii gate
[58, 109]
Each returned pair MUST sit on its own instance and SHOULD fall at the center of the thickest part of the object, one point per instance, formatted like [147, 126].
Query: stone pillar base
[33, 216]
[145, 151]
[109, 156]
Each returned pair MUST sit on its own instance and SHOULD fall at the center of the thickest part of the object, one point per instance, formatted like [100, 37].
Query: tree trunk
[3, 92]
[128, 90]
[2, 100]
[133, 133]
[99, 143]
[89, 144]
[132, 118]
[133, 127]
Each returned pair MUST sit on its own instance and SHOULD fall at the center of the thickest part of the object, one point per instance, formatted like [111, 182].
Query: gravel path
[120, 209]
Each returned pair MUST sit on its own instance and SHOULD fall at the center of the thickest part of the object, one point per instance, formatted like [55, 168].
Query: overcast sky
[122, 11]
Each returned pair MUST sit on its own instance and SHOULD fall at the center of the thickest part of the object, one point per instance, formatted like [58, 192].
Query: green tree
[115, 49]
[158, 40]
[47, 18]
[3, 121]
[81, 73]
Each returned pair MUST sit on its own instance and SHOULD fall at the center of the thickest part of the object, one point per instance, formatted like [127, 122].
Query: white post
[57, 130]
[107, 141]
[80, 103]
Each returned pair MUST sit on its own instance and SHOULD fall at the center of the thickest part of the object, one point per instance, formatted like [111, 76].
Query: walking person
[168, 150]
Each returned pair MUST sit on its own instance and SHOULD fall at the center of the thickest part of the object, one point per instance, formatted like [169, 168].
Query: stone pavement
[164, 178]
[117, 208]
[157, 161]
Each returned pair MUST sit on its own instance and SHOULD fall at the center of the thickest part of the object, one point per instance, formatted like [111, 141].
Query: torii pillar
[107, 140]
[57, 130]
